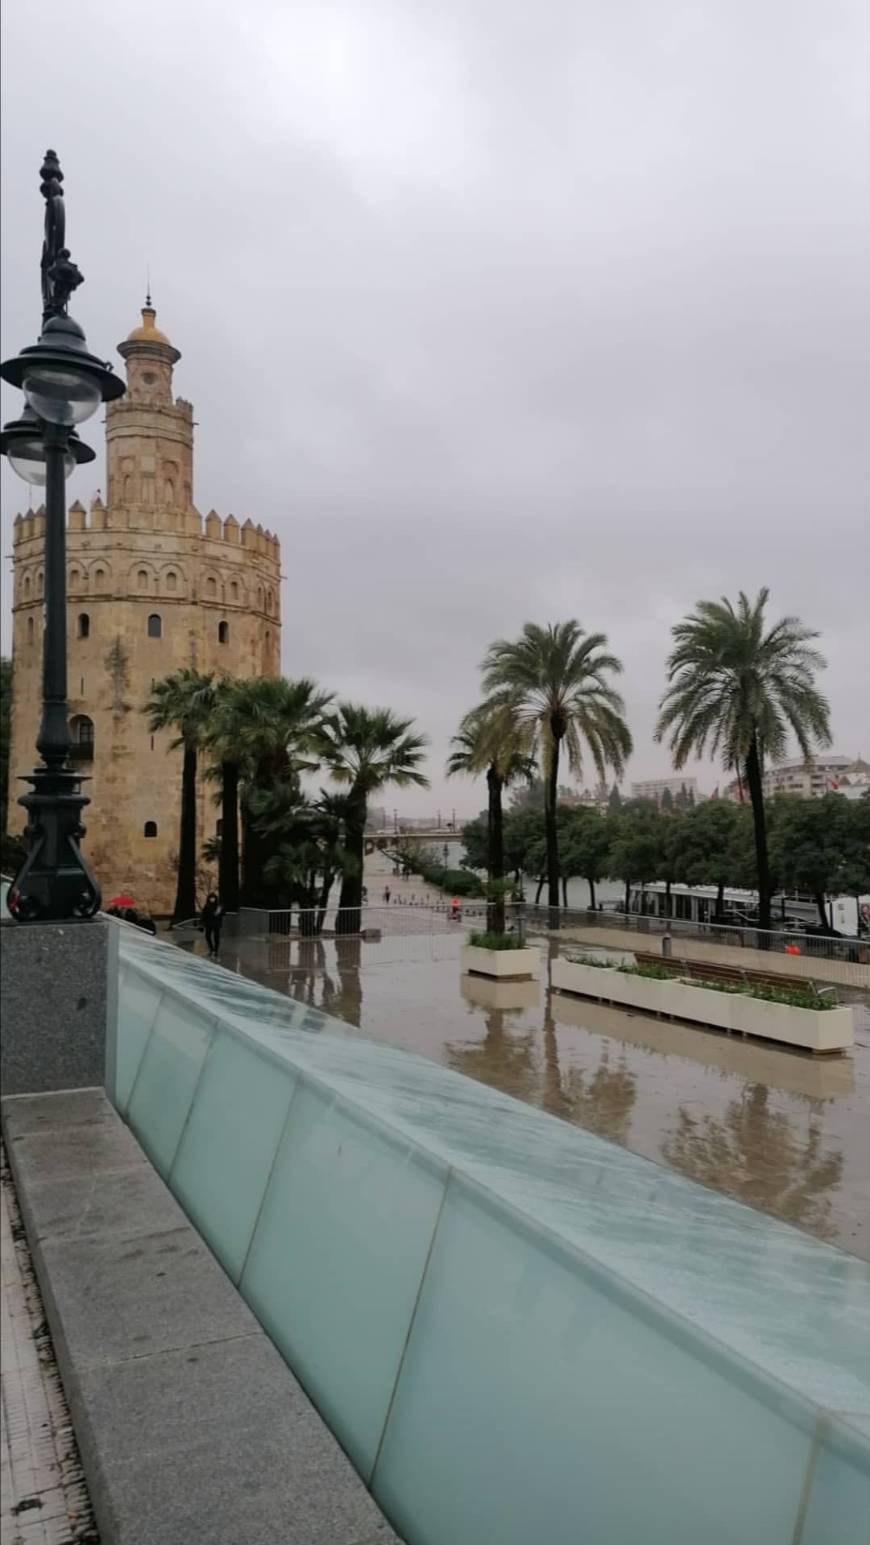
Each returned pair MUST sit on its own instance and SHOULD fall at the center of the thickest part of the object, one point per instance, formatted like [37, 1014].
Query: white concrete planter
[605, 982]
[518, 963]
[812, 1029]
[679, 1001]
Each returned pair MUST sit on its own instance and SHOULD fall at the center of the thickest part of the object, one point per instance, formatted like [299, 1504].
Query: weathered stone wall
[214, 586]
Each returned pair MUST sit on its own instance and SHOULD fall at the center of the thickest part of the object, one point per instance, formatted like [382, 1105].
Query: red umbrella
[122, 901]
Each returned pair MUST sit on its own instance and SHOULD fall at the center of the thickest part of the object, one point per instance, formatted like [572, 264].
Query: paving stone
[124, 1204]
[68, 1108]
[73, 1151]
[228, 1416]
[119, 1298]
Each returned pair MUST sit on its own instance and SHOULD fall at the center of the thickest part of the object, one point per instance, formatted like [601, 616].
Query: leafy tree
[586, 848]
[714, 847]
[488, 742]
[667, 803]
[614, 799]
[738, 689]
[557, 680]
[184, 701]
[812, 845]
[366, 749]
[634, 848]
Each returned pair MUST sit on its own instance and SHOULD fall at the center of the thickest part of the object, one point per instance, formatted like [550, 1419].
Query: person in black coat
[212, 919]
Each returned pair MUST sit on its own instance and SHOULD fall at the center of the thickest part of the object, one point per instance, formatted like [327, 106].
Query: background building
[151, 587]
[684, 790]
[811, 780]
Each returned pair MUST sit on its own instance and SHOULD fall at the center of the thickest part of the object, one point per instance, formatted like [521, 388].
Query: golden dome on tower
[147, 332]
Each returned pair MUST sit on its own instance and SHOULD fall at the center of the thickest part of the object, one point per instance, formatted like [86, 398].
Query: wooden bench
[718, 971]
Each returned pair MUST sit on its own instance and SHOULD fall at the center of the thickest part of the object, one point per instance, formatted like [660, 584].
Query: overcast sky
[493, 311]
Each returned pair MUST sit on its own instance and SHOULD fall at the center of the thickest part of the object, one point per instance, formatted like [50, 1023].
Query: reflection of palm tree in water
[348, 958]
[310, 973]
[758, 1155]
[504, 1061]
[601, 1102]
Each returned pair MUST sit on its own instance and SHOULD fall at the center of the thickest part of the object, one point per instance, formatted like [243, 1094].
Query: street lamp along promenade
[63, 385]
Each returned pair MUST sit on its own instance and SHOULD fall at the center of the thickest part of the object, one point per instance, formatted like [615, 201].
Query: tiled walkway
[43, 1500]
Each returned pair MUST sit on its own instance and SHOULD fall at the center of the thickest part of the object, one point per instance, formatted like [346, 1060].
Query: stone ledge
[191, 1427]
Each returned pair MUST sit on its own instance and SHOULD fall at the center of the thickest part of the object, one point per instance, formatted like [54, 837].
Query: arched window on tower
[39, 582]
[223, 632]
[211, 588]
[168, 492]
[26, 587]
[30, 630]
[150, 829]
[99, 578]
[75, 578]
[83, 625]
[172, 580]
[142, 579]
[155, 626]
[234, 592]
[81, 729]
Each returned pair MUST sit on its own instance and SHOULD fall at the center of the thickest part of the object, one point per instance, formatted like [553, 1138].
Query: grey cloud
[493, 312]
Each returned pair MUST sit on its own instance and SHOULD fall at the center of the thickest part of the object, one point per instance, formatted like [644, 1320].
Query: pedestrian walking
[212, 919]
[386, 895]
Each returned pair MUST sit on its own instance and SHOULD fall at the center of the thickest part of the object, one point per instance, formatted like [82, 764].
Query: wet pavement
[781, 1130]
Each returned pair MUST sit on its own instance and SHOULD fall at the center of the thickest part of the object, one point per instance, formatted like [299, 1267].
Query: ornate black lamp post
[63, 385]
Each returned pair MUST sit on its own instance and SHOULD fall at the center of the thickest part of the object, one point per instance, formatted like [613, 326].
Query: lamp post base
[54, 884]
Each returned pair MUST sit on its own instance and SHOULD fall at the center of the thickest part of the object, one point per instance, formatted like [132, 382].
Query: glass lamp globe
[28, 460]
[60, 396]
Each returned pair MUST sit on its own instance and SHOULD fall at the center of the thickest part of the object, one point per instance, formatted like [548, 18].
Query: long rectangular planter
[521, 963]
[816, 1030]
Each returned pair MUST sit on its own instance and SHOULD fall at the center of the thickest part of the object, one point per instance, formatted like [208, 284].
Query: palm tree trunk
[762, 864]
[564, 892]
[591, 883]
[541, 879]
[349, 919]
[627, 897]
[256, 852]
[820, 903]
[228, 867]
[185, 893]
[668, 898]
[495, 827]
[551, 794]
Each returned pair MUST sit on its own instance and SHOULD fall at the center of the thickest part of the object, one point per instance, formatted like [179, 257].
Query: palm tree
[366, 749]
[184, 702]
[228, 776]
[739, 689]
[488, 741]
[556, 679]
[263, 732]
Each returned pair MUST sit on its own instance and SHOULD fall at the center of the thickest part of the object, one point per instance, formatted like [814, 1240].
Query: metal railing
[736, 935]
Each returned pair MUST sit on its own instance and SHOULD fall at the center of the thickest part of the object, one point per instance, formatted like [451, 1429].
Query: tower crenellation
[152, 586]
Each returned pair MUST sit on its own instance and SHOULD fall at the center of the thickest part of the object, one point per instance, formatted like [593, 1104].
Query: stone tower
[151, 587]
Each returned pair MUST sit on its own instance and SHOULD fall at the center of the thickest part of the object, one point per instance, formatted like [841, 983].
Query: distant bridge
[386, 839]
